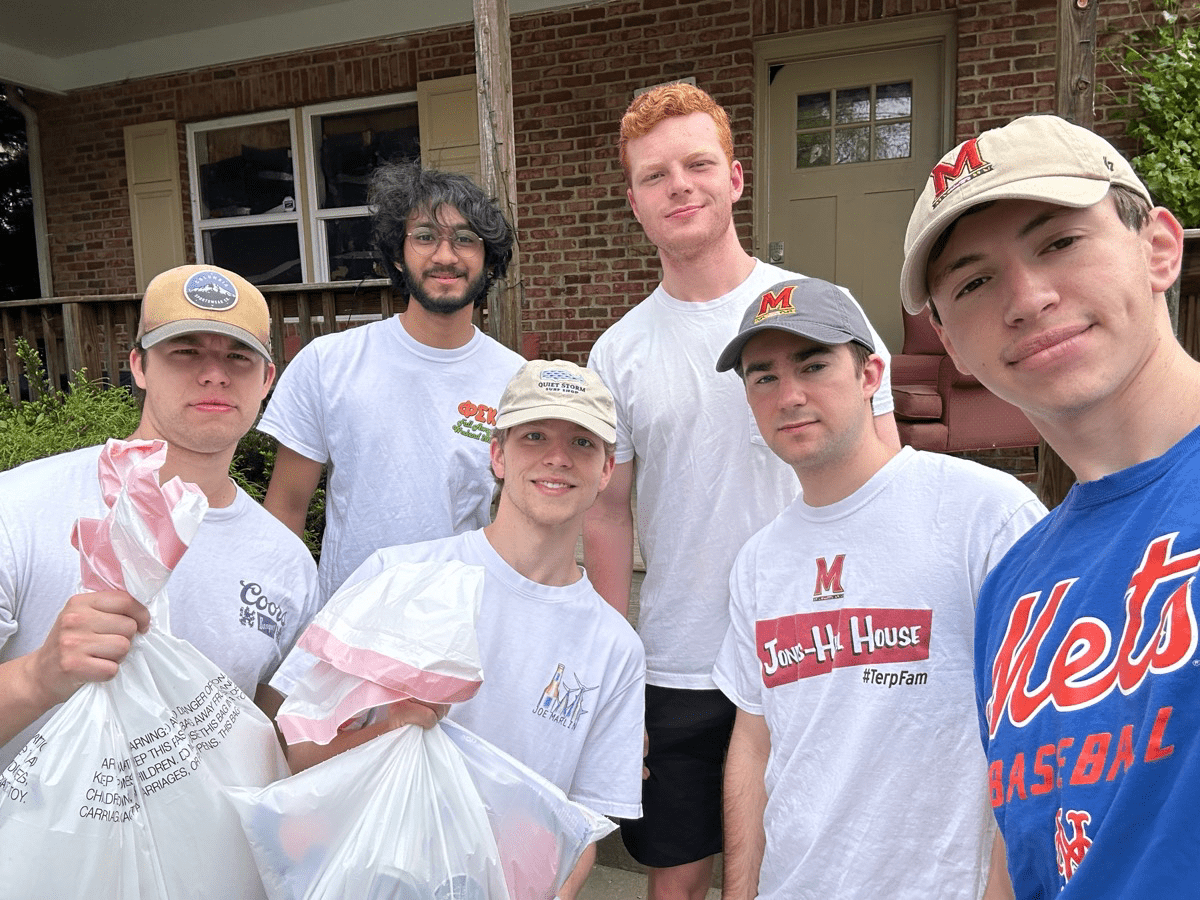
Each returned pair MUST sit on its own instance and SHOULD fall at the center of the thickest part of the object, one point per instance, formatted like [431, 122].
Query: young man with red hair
[705, 479]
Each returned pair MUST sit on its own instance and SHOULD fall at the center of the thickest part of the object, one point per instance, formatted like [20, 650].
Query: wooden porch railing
[95, 333]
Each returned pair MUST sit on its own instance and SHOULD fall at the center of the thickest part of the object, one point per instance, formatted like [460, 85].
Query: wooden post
[1075, 103]
[497, 155]
[1077, 61]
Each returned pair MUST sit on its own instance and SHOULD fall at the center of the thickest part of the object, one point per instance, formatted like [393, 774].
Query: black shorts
[681, 799]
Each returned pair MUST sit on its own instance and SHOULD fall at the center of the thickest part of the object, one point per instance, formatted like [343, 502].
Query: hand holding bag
[120, 794]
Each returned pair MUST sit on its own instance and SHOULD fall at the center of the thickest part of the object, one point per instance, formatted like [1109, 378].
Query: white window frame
[317, 217]
[201, 225]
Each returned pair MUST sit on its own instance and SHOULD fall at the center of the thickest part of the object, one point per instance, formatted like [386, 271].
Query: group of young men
[829, 622]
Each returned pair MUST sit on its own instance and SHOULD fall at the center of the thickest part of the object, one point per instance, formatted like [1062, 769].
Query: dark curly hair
[397, 189]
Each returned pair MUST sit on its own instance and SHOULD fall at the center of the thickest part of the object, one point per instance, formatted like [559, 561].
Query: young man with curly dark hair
[400, 412]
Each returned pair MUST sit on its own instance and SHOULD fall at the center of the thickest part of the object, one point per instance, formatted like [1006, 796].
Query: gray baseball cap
[809, 307]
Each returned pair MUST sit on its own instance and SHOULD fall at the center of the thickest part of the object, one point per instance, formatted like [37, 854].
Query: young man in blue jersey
[1045, 264]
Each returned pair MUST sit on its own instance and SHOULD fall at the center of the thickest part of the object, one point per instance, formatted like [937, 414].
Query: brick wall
[584, 260]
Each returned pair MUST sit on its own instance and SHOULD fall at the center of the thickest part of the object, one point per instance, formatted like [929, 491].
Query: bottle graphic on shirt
[550, 694]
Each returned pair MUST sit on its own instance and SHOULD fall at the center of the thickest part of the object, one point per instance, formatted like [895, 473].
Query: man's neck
[208, 471]
[442, 332]
[708, 274]
[1141, 422]
[829, 484]
[545, 555]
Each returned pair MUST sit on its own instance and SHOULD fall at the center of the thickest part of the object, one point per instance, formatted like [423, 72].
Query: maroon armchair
[940, 408]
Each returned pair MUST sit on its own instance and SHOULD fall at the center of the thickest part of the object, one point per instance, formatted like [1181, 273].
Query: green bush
[90, 412]
[1163, 65]
[57, 421]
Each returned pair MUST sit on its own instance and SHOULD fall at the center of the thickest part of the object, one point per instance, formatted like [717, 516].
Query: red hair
[664, 101]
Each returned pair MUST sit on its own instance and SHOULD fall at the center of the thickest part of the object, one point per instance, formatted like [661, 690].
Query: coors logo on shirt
[260, 612]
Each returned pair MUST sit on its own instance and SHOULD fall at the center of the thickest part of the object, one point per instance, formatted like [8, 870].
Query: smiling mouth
[1044, 342]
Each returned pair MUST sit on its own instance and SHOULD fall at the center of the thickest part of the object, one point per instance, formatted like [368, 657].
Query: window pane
[812, 150]
[893, 101]
[853, 105]
[812, 110]
[352, 144]
[246, 170]
[262, 254]
[893, 141]
[852, 145]
[351, 256]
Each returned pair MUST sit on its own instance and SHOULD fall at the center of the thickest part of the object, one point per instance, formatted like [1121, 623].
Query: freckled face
[682, 187]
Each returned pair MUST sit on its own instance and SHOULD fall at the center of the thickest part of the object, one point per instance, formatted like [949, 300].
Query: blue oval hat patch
[210, 290]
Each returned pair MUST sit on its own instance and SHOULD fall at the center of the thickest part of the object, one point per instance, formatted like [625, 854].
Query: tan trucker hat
[207, 299]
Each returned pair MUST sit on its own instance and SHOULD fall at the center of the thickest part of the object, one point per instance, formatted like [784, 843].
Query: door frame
[939, 29]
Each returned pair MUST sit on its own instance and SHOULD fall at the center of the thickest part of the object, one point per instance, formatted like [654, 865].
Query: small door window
[854, 125]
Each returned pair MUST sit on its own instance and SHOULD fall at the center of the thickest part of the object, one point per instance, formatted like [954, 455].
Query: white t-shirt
[531, 635]
[706, 480]
[851, 632]
[243, 591]
[404, 430]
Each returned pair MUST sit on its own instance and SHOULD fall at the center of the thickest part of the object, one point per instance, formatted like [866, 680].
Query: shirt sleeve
[8, 581]
[295, 415]
[608, 778]
[599, 362]
[883, 401]
[737, 669]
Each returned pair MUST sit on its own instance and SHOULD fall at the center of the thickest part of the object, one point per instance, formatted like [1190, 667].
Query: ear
[1164, 248]
[399, 268]
[872, 375]
[496, 452]
[136, 370]
[737, 179]
[610, 462]
[268, 380]
[632, 203]
[945, 339]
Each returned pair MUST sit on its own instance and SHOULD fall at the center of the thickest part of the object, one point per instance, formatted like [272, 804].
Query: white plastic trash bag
[120, 794]
[396, 818]
[408, 631]
[416, 814]
[540, 833]
[437, 814]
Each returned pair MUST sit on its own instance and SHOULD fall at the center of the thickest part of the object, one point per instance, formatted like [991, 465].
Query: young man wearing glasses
[401, 411]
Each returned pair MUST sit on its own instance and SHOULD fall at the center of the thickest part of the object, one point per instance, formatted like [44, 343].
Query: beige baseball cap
[557, 389]
[1032, 158]
[190, 299]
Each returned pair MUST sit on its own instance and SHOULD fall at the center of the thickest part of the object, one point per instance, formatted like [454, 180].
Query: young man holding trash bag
[564, 673]
[245, 588]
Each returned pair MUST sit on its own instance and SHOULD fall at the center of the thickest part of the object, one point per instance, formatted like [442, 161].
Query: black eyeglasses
[463, 242]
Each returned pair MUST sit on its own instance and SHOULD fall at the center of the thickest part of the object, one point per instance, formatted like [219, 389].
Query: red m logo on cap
[968, 160]
[771, 304]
